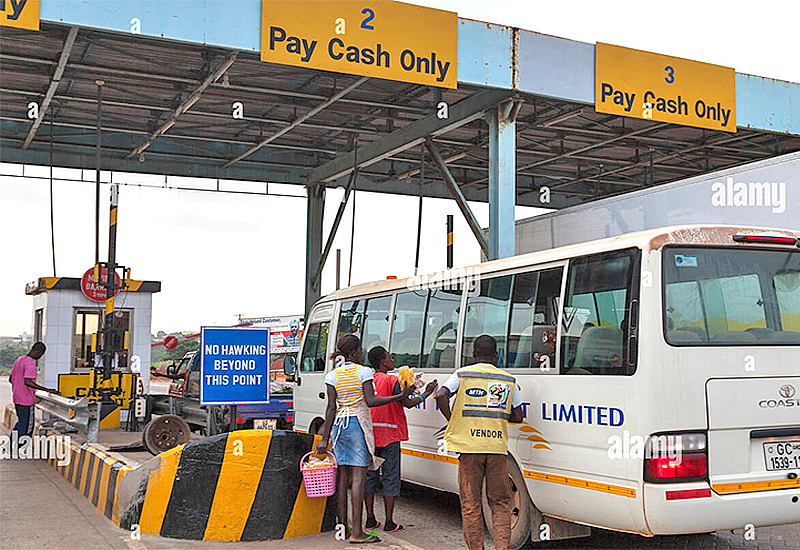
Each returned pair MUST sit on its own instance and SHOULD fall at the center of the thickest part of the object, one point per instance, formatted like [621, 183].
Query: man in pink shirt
[24, 386]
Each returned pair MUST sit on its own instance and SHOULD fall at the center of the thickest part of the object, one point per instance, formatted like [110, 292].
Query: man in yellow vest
[486, 400]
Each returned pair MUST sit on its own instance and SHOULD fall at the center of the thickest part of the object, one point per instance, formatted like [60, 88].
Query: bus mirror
[289, 365]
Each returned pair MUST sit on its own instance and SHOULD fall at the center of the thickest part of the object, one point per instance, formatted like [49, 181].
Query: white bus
[691, 332]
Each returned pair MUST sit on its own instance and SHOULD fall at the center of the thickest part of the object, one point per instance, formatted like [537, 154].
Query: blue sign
[234, 365]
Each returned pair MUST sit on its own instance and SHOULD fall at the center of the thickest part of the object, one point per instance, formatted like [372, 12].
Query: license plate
[272, 423]
[782, 455]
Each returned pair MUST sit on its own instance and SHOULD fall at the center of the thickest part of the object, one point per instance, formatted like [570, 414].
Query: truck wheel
[165, 432]
[520, 507]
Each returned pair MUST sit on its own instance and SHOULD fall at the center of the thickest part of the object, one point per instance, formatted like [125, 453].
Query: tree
[10, 352]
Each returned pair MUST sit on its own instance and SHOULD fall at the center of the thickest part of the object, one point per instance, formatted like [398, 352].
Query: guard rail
[79, 413]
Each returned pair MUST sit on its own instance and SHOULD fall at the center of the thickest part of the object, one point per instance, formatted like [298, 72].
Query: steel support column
[502, 177]
[314, 212]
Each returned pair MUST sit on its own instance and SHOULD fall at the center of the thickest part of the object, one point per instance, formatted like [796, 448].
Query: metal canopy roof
[172, 102]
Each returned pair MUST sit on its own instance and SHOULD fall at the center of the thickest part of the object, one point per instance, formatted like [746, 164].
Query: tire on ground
[520, 507]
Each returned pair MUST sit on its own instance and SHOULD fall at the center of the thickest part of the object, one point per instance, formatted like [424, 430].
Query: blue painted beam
[767, 104]
[485, 54]
[489, 55]
[234, 24]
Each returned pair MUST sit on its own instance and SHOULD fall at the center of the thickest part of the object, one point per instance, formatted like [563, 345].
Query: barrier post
[93, 425]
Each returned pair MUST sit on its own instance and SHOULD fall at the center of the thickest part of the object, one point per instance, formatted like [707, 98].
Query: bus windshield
[731, 296]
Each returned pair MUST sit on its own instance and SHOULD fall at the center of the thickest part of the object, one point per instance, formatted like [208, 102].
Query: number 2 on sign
[670, 78]
[370, 16]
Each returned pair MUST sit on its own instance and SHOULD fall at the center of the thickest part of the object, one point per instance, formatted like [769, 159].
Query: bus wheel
[520, 507]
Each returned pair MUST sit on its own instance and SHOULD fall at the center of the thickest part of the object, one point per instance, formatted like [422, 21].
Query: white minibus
[660, 374]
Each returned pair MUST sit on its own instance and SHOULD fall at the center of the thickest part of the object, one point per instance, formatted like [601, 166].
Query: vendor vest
[388, 421]
[479, 419]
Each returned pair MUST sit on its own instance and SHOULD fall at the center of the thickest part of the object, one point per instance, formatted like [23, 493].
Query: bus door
[309, 391]
[576, 413]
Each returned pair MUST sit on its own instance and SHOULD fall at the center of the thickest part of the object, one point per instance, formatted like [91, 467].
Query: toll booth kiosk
[65, 317]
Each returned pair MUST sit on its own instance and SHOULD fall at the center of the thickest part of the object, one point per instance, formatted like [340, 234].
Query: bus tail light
[676, 457]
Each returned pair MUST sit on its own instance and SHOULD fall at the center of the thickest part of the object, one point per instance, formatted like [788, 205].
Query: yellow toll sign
[379, 39]
[22, 14]
[667, 89]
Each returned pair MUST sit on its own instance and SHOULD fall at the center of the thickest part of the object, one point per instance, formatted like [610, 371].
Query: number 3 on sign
[370, 15]
[670, 78]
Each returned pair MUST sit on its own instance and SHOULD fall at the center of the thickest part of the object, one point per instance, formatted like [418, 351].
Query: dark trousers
[25, 415]
[473, 469]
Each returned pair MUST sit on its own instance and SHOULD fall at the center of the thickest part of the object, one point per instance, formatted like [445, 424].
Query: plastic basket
[319, 482]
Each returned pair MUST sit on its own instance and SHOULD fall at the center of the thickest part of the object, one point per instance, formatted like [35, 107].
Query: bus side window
[440, 327]
[315, 344]
[351, 318]
[368, 319]
[375, 330]
[406, 343]
[532, 331]
[517, 311]
[488, 313]
[594, 331]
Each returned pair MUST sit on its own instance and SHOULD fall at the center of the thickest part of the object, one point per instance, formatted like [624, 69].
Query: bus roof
[651, 239]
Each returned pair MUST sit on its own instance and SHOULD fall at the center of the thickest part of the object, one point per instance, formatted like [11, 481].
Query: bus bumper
[686, 513]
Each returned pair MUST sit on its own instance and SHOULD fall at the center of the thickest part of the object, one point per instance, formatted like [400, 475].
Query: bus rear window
[731, 296]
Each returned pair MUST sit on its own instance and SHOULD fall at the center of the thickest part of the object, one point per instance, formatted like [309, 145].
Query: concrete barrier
[243, 485]
[94, 473]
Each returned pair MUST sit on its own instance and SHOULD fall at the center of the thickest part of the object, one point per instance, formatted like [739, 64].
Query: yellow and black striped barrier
[94, 473]
[243, 485]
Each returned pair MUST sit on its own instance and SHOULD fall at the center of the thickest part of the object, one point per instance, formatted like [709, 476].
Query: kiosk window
[87, 322]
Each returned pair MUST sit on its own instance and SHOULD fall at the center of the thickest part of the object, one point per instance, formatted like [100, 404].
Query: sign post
[234, 366]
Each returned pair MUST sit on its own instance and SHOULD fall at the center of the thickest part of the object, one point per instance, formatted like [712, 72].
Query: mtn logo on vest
[475, 392]
[749, 194]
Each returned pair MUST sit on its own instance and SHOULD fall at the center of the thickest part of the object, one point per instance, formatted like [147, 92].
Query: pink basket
[319, 482]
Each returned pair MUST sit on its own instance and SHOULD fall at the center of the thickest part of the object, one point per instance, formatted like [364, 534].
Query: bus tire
[521, 505]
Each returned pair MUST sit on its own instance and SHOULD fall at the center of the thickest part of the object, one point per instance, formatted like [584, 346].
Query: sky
[222, 255]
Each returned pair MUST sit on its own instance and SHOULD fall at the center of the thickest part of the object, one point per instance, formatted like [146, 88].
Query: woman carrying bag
[349, 424]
